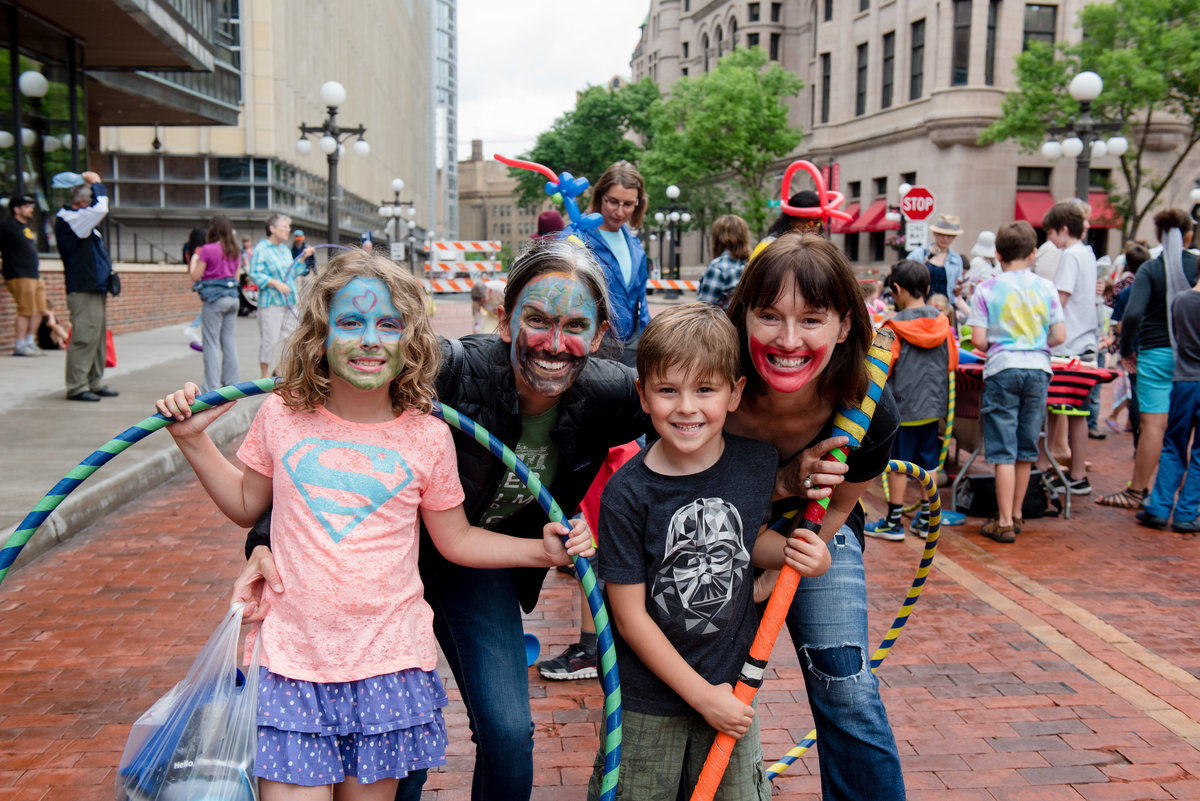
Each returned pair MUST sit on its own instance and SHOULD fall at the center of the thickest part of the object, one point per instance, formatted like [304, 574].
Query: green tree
[587, 139]
[725, 129]
[1146, 51]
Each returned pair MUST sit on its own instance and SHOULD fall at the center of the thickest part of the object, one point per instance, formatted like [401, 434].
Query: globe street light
[333, 94]
[395, 209]
[1084, 139]
[673, 216]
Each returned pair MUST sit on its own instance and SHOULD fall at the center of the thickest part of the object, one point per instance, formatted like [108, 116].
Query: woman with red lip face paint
[804, 333]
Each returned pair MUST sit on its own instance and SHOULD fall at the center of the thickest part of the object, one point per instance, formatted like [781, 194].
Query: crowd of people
[378, 534]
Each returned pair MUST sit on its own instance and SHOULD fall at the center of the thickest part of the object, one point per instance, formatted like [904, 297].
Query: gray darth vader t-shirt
[689, 539]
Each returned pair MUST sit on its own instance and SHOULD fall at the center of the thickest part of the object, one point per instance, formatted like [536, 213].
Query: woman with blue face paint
[536, 387]
[354, 463]
[804, 332]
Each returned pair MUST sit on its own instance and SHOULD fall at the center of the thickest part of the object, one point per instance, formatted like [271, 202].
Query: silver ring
[808, 482]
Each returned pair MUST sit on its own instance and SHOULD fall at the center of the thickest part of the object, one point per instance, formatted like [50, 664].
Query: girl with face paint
[536, 386]
[804, 333]
[356, 468]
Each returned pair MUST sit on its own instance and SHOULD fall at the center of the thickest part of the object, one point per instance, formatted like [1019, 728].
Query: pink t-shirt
[344, 534]
[215, 263]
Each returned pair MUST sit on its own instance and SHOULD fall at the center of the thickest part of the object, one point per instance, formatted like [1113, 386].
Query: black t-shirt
[865, 463]
[689, 539]
[18, 249]
[1185, 318]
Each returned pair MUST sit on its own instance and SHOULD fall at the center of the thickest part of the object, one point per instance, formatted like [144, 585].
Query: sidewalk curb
[92, 501]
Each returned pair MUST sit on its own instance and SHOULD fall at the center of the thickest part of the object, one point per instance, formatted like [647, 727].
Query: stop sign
[917, 204]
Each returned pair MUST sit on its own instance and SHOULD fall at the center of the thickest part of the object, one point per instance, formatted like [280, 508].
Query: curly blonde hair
[304, 370]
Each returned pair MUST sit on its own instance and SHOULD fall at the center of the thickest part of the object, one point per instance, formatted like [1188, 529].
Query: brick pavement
[1060, 668]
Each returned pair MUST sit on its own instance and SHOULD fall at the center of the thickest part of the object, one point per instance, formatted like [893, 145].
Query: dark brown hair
[730, 232]
[816, 270]
[1015, 241]
[220, 229]
[1167, 219]
[1067, 214]
[626, 175]
[911, 276]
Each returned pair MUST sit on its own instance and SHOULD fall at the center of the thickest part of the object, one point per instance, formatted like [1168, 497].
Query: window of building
[960, 52]
[828, 10]
[1040, 22]
[989, 60]
[720, 42]
[909, 178]
[685, 72]
[704, 47]
[854, 190]
[687, 5]
[1033, 176]
[881, 187]
[917, 68]
[826, 77]
[889, 69]
[860, 85]
[1100, 179]
[852, 247]
[752, 40]
[733, 34]
[877, 246]
[685, 49]
[864, 5]
[753, 12]
[776, 12]
[775, 40]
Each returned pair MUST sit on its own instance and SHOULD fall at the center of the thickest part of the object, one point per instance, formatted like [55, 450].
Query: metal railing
[127, 246]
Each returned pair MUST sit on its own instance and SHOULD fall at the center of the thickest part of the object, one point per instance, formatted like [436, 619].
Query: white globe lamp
[1086, 86]
[33, 84]
[333, 93]
[303, 147]
[1072, 146]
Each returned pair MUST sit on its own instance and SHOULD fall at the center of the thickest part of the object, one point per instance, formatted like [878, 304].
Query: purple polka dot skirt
[314, 734]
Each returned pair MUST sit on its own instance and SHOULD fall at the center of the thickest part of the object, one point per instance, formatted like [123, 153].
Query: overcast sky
[520, 64]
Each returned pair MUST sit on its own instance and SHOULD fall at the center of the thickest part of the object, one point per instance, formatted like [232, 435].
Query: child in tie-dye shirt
[349, 454]
[1016, 318]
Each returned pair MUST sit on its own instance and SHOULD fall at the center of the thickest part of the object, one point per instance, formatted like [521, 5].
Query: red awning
[873, 219]
[1103, 214]
[1032, 207]
[837, 226]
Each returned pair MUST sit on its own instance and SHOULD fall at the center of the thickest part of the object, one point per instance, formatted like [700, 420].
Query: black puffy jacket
[599, 411]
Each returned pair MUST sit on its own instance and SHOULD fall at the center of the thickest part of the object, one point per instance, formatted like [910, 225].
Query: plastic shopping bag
[197, 742]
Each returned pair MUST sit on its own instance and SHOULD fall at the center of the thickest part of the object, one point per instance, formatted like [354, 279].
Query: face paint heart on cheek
[552, 329]
[364, 347]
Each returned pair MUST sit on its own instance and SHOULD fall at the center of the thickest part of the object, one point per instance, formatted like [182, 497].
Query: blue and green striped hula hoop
[587, 576]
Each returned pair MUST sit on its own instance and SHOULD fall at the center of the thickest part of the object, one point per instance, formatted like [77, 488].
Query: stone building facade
[898, 91]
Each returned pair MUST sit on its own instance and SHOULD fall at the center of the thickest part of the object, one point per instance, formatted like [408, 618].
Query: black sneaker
[573, 663]
[1079, 486]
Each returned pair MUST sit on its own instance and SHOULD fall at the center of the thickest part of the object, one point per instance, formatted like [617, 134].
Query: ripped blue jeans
[828, 624]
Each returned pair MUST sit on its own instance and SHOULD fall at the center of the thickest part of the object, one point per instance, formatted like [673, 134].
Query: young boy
[1075, 279]
[923, 353]
[682, 525]
[1182, 421]
[1016, 318]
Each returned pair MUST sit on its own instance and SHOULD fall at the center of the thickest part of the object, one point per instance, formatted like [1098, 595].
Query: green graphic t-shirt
[537, 451]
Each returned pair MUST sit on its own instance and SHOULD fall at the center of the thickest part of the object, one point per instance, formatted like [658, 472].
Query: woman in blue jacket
[620, 198]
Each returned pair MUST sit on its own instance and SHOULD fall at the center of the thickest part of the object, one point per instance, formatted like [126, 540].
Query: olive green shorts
[658, 754]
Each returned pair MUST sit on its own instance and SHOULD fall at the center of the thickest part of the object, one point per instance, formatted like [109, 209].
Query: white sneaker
[25, 349]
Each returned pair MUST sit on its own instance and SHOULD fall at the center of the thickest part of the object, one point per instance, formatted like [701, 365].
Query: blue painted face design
[366, 331]
[552, 330]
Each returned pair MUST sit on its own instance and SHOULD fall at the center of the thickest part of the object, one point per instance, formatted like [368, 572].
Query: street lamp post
[1084, 136]
[674, 215]
[333, 94]
[396, 208]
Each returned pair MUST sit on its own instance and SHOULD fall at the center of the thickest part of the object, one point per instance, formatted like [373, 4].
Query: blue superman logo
[340, 499]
